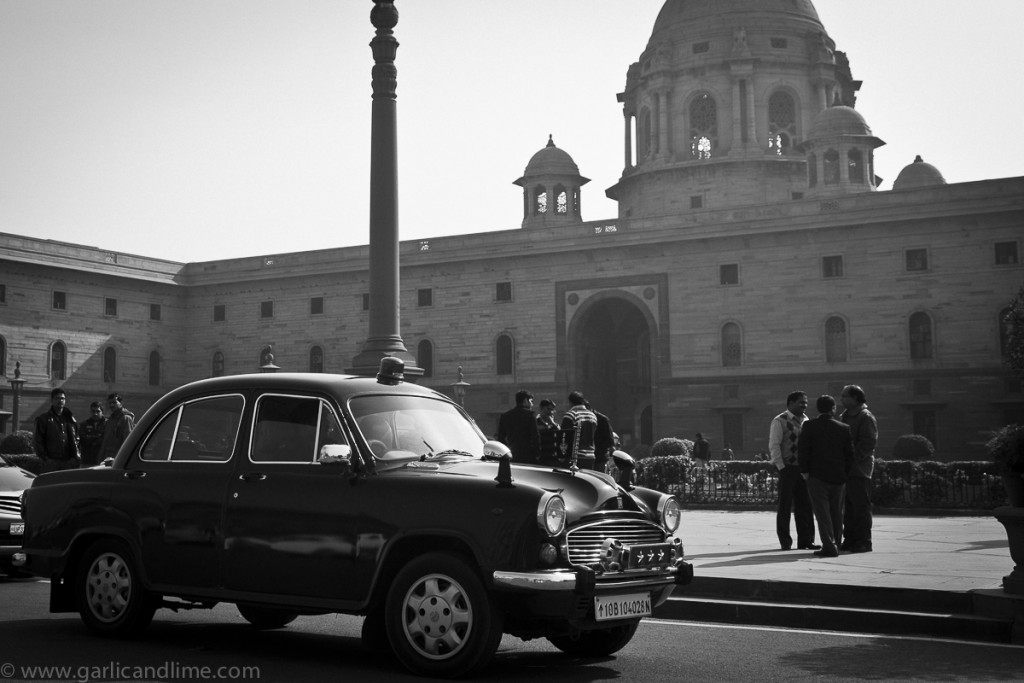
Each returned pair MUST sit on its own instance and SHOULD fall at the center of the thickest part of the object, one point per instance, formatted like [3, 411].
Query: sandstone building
[753, 253]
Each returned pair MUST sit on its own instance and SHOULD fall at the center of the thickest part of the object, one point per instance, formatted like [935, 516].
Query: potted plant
[1006, 448]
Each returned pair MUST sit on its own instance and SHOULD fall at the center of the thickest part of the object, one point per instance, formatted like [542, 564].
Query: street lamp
[269, 365]
[16, 384]
[460, 389]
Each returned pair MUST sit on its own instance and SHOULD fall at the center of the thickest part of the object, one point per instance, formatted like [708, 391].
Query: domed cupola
[840, 154]
[719, 100]
[918, 174]
[551, 189]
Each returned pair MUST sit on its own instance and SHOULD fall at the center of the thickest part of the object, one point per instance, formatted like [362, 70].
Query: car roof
[341, 386]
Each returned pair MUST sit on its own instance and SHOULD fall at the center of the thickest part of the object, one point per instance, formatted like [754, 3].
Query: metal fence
[965, 485]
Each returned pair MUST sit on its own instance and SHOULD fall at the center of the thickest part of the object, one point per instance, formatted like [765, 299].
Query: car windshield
[397, 427]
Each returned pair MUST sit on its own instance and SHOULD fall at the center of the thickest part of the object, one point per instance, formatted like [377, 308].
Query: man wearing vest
[793, 498]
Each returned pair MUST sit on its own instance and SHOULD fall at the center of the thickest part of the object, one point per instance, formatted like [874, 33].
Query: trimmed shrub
[671, 446]
[18, 443]
[913, 447]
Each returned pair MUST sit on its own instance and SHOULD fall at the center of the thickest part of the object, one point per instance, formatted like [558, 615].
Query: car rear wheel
[598, 643]
[110, 596]
[266, 617]
[440, 620]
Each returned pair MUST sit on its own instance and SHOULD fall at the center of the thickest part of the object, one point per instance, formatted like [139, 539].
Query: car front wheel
[111, 598]
[439, 618]
[598, 643]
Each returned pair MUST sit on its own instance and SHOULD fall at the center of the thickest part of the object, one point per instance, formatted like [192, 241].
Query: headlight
[551, 514]
[668, 510]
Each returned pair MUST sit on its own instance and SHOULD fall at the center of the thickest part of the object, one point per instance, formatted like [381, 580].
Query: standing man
[549, 433]
[583, 423]
[517, 429]
[825, 455]
[56, 435]
[90, 435]
[546, 416]
[702, 450]
[119, 425]
[793, 499]
[864, 431]
[604, 440]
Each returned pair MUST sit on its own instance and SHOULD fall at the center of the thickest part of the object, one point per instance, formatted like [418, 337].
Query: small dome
[838, 120]
[918, 174]
[551, 161]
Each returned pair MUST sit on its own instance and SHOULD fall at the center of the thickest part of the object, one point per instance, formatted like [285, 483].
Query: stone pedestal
[1012, 518]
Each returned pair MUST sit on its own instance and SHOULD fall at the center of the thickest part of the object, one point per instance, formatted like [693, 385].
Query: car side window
[199, 431]
[292, 429]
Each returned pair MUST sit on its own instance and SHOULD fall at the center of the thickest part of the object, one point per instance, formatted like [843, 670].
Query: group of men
[825, 468]
[62, 444]
[584, 436]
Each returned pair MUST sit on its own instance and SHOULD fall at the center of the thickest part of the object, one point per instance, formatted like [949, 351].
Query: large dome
[686, 17]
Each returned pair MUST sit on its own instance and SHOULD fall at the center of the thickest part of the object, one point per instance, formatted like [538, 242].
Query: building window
[58, 361]
[855, 165]
[917, 259]
[154, 369]
[109, 306]
[425, 357]
[219, 313]
[60, 301]
[732, 431]
[217, 369]
[832, 266]
[109, 365]
[316, 305]
[1006, 254]
[697, 201]
[540, 200]
[796, 195]
[732, 345]
[729, 274]
[266, 309]
[703, 126]
[154, 312]
[831, 167]
[779, 43]
[3, 294]
[3, 357]
[925, 423]
[503, 353]
[503, 291]
[424, 297]
[920, 329]
[812, 170]
[366, 302]
[316, 359]
[561, 200]
[781, 123]
[835, 340]
[700, 48]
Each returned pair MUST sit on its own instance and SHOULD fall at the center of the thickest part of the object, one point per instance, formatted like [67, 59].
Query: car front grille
[585, 541]
[11, 502]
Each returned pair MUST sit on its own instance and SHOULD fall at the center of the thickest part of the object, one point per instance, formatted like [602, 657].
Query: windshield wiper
[450, 451]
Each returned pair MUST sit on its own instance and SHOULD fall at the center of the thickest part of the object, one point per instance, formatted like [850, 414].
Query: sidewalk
[956, 554]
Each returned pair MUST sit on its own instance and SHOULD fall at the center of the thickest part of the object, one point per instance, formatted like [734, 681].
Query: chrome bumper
[584, 579]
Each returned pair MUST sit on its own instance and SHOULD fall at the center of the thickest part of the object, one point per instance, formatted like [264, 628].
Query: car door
[175, 488]
[295, 526]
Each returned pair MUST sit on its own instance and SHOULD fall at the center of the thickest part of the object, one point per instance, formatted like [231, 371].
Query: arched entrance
[610, 361]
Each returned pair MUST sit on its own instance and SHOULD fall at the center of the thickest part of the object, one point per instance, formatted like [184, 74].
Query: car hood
[15, 479]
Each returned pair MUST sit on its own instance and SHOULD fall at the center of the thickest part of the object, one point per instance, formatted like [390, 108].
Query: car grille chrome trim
[585, 542]
[10, 503]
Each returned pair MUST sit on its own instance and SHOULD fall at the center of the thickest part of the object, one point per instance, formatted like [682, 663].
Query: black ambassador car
[292, 494]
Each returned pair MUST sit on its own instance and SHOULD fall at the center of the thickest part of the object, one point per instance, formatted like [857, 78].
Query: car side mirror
[494, 451]
[108, 462]
[335, 455]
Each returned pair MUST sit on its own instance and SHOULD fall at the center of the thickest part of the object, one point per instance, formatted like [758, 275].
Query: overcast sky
[194, 130]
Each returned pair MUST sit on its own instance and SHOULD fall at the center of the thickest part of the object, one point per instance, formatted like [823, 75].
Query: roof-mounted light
[392, 371]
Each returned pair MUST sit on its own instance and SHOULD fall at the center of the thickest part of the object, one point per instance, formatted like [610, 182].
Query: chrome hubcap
[438, 617]
[108, 587]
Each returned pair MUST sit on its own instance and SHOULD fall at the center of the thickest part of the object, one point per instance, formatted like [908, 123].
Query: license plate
[625, 606]
[18, 529]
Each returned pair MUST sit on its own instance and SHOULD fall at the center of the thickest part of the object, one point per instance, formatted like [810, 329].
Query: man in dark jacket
[864, 432]
[604, 440]
[90, 435]
[56, 435]
[517, 429]
[119, 425]
[825, 456]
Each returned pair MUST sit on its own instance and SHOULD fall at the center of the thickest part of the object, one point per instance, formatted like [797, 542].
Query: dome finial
[918, 159]
[551, 140]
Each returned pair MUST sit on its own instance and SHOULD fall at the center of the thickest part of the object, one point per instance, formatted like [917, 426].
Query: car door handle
[253, 476]
[134, 474]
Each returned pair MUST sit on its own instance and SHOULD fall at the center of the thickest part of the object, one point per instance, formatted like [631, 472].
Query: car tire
[597, 643]
[266, 617]
[108, 590]
[439, 618]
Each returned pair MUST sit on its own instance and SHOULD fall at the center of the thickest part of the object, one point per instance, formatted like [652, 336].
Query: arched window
[921, 336]
[561, 200]
[703, 127]
[58, 360]
[812, 170]
[316, 359]
[109, 365]
[835, 340]
[218, 365]
[1006, 325]
[644, 141]
[154, 369]
[540, 200]
[781, 123]
[732, 345]
[425, 357]
[504, 355]
[855, 162]
[831, 167]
